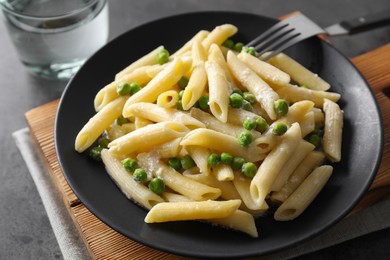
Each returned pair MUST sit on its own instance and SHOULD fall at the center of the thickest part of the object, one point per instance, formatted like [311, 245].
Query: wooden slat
[104, 243]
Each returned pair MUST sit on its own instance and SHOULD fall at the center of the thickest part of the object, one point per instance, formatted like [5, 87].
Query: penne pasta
[219, 91]
[333, 130]
[273, 163]
[193, 210]
[293, 94]
[156, 113]
[196, 86]
[148, 59]
[98, 123]
[188, 45]
[164, 81]
[176, 181]
[218, 35]
[145, 138]
[168, 99]
[299, 73]
[301, 198]
[132, 190]
[270, 74]
[264, 94]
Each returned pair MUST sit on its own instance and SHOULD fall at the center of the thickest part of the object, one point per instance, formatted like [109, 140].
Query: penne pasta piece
[134, 191]
[297, 112]
[242, 185]
[293, 94]
[333, 130]
[140, 122]
[145, 138]
[223, 143]
[216, 125]
[319, 116]
[216, 55]
[299, 73]
[176, 181]
[168, 149]
[223, 172]
[269, 73]
[141, 76]
[195, 87]
[237, 116]
[264, 94]
[193, 210]
[219, 91]
[164, 81]
[273, 163]
[156, 113]
[98, 123]
[218, 35]
[228, 191]
[198, 53]
[148, 59]
[304, 195]
[168, 99]
[188, 45]
[312, 160]
[200, 155]
[307, 124]
[302, 150]
[174, 197]
[240, 221]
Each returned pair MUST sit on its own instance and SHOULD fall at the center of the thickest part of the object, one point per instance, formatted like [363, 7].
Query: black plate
[362, 143]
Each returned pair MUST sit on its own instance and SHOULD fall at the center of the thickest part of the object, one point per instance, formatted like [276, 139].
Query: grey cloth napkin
[369, 220]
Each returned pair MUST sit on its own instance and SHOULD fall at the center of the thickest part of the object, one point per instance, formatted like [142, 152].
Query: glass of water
[55, 37]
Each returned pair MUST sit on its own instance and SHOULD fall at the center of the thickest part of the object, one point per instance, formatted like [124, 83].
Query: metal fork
[284, 34]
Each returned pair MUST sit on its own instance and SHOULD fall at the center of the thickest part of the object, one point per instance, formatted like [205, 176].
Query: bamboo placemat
[103, 242]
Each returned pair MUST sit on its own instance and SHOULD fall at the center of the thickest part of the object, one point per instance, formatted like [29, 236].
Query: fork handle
[367, 22]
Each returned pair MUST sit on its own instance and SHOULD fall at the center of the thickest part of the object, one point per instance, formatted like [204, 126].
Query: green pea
[245, 138]
[203, 102]
[123, 89]
[95, 153]
[279, 128]
[162, 56]
[315, 140]
[261, 125]
[236, 100]
[179, 105]
[213, 159]
[157, 185]
[249, 123]
[249, 169]
[121, 120]
[251, 51]
[134, 88]
[226, 158]
[237, 163]
[281, 107]
[238, 91]
[238, 46]
[130, 164]
[175, 163]
[103, 142]
[140, 175]
[187, 162]
[250, 97]
[228, 44]
[181, 93]
[183, 82]
[247, 106]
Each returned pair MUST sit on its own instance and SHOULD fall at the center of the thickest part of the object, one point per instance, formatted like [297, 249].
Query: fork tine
[275, 28]
[275, 38]
[280, 48]
[279, 42]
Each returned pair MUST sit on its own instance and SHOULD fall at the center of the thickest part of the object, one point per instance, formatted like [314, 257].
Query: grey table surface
[25, 231]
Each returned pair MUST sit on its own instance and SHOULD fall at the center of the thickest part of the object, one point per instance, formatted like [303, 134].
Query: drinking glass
[55, 37]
